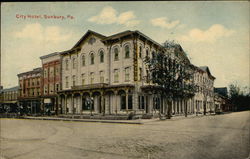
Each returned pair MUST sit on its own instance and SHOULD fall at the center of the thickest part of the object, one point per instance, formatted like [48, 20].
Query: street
[206, 137]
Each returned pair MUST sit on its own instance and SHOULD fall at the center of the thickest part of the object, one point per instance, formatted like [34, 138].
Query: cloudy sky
[215, 34]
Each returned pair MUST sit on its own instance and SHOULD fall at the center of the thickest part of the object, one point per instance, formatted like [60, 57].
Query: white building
[110, 70]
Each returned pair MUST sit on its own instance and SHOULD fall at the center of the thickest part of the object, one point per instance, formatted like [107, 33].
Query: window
[116, 76]
[45, 89]
[83, 60]
[101, 77]
[45, 72]
[57, 87]
[130, 101]
[67, 64]
[66, 82]
[123, 102]
[141, 102]
[126, 51]
[101, 56]
[148, 79]
[140, 51]
[147, 54]
[83, 79]
[153, 54]
[92, 59]
[92, 78]
[116, 52]
[127, 74]
[74, 80]
[140, 73]
[74, 63]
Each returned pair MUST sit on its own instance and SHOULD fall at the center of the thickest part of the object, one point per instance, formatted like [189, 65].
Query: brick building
[8, 99]
[51, 80]
[30, 84]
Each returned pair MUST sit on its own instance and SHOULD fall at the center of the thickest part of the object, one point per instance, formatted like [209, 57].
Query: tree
[239, 98]
[172, 74]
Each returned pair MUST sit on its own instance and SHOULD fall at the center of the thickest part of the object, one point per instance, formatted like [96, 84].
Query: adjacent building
[51, 79]
[204, 97]
[8, 99]
[31, 90]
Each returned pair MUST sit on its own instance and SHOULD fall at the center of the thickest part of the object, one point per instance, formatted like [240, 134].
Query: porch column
[92, 103]
[116, 104]
[72, 104]
[126, 94]
[65, 104]
[102, 103]
[80, 105]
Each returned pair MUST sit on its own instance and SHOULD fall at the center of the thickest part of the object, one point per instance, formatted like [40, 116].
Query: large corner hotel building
[110, 71]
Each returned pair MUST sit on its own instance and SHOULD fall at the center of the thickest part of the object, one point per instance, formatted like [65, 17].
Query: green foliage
[174, 76]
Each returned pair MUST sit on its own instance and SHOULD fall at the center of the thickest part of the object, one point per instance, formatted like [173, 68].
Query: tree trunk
[205, 108]
[185, 105]
[169, 110]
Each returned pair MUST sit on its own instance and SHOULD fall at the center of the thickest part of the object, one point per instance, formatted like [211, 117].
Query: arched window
[140, 51]
[116, 52]
[101, 56]
[74, 63]
[126, 51]
[67, 64]
[92, 59]
[147, 54]
[83, 60]
[153, 54]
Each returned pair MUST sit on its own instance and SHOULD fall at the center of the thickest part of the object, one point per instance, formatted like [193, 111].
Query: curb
[84, 120]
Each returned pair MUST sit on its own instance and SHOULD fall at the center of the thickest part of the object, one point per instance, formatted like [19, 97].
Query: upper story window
[116, 54]
[147, 53]
[101, 56]
[140, 73]
[153, 54]
[127, 71]
[116, 76]
[45, 72]
[67, 82]
[83, 79]
[92, 58]
[140, 52]
[101, 77]
[74, 80]
[127, 51]
[74, 63]
[83, 60]
[92, 78]
[67, 64]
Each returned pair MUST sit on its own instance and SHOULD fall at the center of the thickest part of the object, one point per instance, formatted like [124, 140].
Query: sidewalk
[137, 121]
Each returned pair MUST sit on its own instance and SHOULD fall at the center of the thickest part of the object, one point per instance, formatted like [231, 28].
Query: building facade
[107, 75]
[51, 79]
[30, 84]
[8, 99]
[204, 97]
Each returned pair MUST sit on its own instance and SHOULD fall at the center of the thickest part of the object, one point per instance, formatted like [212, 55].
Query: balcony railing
[90, 86]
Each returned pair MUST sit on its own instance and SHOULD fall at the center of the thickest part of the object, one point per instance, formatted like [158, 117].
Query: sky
[214, 34]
